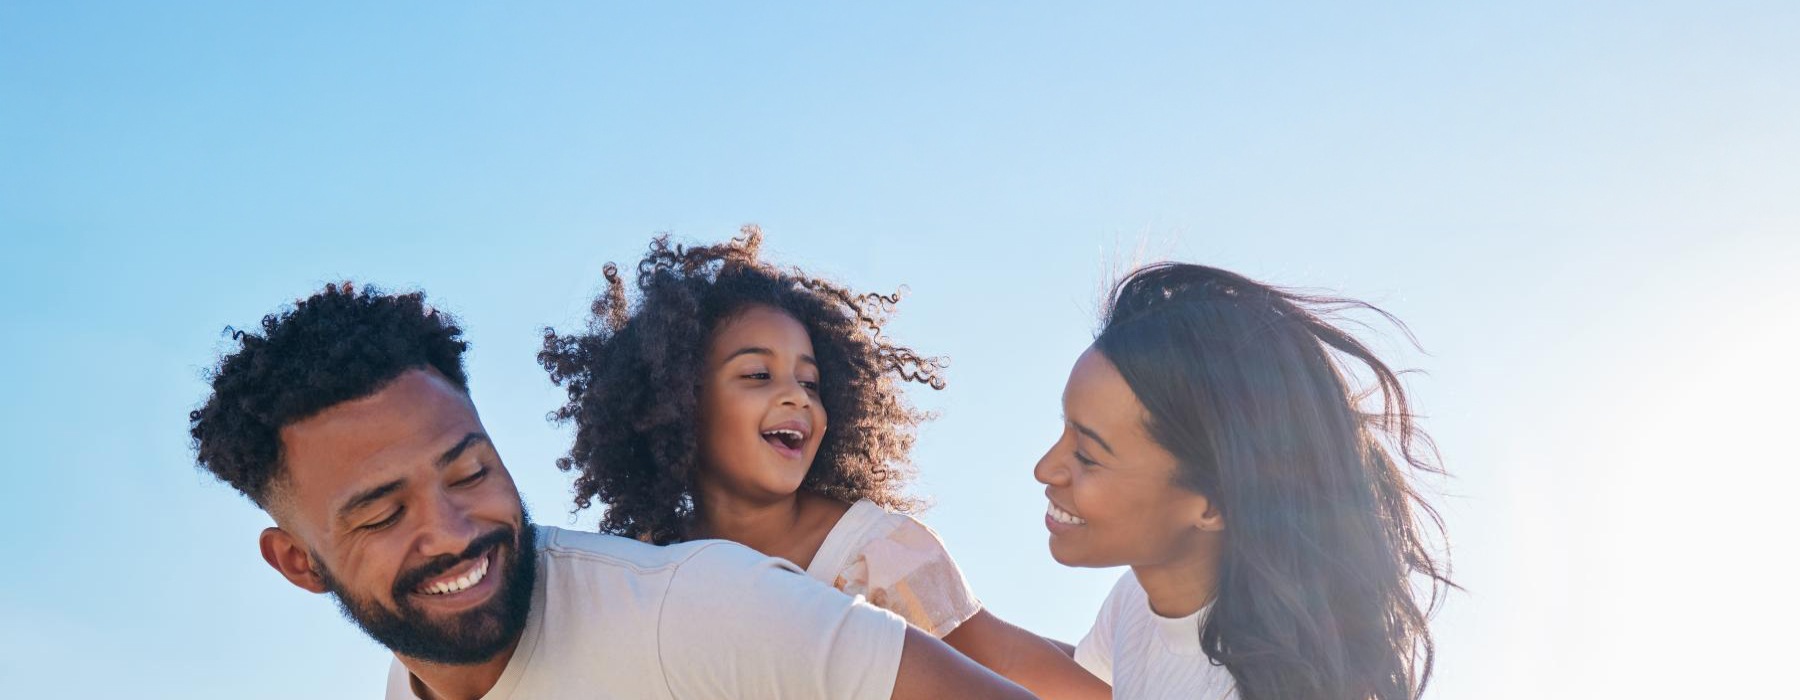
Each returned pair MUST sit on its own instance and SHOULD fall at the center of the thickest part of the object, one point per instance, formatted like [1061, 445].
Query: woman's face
[1113, 496]
[761, 421]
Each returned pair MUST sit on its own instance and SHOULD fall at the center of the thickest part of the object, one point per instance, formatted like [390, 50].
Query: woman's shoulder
[1127, 596]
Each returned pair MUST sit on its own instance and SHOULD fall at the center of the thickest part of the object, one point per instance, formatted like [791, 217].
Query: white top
[1146, 656]
[617, 618]
[897, 563]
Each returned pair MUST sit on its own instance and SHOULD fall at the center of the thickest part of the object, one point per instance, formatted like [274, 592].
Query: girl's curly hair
[633, 383]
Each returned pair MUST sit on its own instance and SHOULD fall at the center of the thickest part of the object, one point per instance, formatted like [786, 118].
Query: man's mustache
[441, 564]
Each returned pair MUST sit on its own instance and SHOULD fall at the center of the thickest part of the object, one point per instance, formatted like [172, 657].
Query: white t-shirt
[616, 618]
[898, 564]
[1146, 656]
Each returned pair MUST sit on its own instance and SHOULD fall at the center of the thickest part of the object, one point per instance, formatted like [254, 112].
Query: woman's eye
[1083, 459]
[384, 522]
[757, 375]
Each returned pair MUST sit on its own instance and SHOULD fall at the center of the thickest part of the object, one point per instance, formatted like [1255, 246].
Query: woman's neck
[791, 528]
[1185, 583]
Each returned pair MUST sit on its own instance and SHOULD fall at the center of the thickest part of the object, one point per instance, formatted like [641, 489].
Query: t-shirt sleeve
[735, 623]
[906, 569]
[1094, 652]
[399, 682]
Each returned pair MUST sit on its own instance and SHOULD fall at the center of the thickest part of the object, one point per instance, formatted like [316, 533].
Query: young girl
[1212, 442]
[739, 401]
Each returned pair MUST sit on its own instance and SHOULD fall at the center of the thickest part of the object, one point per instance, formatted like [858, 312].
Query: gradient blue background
[1586, 211]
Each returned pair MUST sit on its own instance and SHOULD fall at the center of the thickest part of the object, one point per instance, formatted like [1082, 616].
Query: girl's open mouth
[786, 441]
[788, 438]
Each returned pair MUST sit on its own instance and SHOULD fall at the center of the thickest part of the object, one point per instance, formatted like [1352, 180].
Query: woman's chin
[1067, 555]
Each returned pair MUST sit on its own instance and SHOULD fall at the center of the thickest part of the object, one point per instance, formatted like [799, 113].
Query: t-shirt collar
[1181, 635]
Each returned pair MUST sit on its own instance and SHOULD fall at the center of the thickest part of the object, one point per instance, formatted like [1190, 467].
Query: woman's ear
[1206, 515]
[286, 554]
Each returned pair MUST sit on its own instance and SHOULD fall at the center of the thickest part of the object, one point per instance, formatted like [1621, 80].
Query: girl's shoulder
[893, 537]
[897, 563]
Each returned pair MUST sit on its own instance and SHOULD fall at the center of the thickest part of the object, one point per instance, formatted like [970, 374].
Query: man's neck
[435, 681]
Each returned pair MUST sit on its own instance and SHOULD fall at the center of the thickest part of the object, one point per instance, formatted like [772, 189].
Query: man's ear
[286, 554]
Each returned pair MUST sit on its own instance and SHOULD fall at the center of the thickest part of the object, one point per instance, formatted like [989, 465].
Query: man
[348, 420]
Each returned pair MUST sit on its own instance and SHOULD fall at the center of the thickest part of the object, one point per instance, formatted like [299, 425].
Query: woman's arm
[1042, 666]
[929, 670]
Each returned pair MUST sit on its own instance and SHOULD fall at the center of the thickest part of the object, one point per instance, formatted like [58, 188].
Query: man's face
[399, 506]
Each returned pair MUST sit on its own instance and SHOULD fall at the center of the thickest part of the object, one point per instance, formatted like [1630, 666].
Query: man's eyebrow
[376, 493]
[1084, 430]
[759, 350]
[368, 496]
[468, 441]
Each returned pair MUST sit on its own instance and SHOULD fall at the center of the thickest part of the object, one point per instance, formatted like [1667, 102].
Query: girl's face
[761, 421]
[1113, 496]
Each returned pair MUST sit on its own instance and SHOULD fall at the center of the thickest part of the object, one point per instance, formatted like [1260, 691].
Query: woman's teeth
[460, 584]
[1064, 517]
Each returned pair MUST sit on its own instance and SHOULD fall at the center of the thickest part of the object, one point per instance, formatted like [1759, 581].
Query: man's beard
[471, 636]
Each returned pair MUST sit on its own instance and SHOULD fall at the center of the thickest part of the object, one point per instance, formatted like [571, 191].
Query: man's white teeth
[1064, 517]
[461, 584]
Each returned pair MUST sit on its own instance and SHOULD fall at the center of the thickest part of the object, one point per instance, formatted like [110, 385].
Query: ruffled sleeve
[902, 566]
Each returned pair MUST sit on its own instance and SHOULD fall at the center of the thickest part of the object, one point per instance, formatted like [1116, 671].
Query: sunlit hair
[341, 344]
[1251, 388]
[633, 382]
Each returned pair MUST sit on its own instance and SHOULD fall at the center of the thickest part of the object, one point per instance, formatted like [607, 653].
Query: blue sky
[1585, 212]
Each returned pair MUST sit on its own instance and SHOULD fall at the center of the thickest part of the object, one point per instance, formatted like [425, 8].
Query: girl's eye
[384, 522]
[812, 386]
[473, 479]
[757, 375]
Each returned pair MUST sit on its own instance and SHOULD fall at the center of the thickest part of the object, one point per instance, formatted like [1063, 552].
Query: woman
[1214, 443]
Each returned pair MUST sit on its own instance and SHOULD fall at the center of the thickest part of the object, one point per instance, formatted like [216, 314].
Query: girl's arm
[1042, 666]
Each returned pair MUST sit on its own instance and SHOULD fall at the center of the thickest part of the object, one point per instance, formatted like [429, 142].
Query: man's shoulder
[591, 549]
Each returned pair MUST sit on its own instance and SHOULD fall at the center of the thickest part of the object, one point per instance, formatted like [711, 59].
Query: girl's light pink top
[896, 563]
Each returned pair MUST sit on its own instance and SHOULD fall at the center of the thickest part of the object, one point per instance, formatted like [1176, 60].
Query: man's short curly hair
[633, 384]
[343, 343]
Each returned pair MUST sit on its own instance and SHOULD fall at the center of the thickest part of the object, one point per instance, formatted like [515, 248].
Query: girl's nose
[793, 394]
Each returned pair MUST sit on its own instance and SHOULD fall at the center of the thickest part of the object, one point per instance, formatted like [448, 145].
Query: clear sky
[1586, 211]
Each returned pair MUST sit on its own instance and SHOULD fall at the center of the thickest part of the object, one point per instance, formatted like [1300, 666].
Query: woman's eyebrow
[1084, 430]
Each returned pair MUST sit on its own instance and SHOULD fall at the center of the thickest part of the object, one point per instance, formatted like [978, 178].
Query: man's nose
[445, 527]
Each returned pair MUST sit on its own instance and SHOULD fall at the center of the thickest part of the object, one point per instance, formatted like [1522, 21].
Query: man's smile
[458, 580]
[464, 586]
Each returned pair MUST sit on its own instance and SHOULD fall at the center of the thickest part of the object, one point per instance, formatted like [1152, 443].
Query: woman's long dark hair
[1250, 387]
